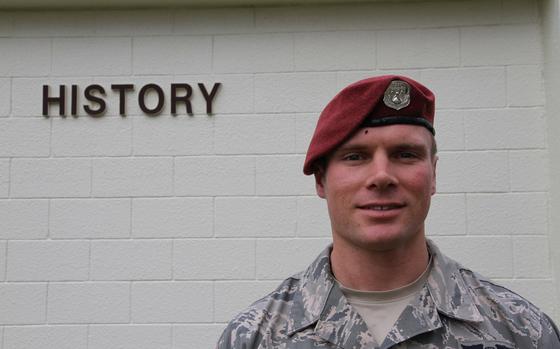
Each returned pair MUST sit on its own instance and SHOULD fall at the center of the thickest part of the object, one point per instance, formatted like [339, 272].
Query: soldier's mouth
[381, 207]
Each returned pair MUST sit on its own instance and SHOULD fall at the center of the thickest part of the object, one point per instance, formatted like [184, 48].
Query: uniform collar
[320, 303]
[445, 294]
[448, 290]
[315, 287]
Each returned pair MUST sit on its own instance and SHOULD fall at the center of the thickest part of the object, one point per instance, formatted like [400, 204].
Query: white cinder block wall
[153, 231]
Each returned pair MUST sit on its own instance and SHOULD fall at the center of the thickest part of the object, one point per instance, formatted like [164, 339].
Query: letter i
[74, 101]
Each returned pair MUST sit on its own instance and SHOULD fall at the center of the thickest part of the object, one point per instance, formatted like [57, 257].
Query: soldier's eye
[352, 157]
[407, 155]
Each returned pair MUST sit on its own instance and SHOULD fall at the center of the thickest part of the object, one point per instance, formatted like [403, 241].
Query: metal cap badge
[397, 95]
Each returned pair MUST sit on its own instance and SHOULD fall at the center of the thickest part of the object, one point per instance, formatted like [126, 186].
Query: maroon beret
[377, 101]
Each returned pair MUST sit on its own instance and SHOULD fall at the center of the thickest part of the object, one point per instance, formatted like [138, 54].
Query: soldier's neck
[379, 270]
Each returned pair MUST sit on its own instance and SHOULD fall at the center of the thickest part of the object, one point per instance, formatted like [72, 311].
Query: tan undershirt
[380, 309]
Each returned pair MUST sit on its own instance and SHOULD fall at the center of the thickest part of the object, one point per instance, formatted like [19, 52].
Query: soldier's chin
[388, 243]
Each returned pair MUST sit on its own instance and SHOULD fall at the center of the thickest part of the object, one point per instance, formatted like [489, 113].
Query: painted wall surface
[153, 231]
[550, 10]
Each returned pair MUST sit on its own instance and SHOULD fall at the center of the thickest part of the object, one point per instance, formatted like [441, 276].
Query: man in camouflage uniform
[382, 284]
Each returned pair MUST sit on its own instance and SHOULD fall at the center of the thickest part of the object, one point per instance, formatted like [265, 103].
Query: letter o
[142, 103]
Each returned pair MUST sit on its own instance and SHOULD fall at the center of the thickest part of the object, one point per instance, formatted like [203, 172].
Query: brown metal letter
[142, 102]
[90, 97]
[61, 100]
[185, 98]
[209, 97]
[122, 88]
[74, 100]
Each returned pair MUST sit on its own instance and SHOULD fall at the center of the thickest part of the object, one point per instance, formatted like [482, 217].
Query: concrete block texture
[196, 259]
[255, 217]
[529, 170]
[24, 219]
[484, 128]
[88, 302]
[527, 263]
[133, 22]
[305, 125]
[51, 23]
[122, 177]
[501, 45]
[85, 136]
[50, 177]
[507, 214]
[29, 137]
[25, 57]
[447, 215]
[5, 97]
[176, 302]
[89, 218]
[87, 56]
[254, 134]
[253, 53]
[3, 261]
[131, 260]
[291, 92]
[312, 217]
[484, 171]
[180, 135]
[282, 175]
[23, 303]
[450, 128]
[295, 254]
[214, 175]
[213, 21]
[479, 87]
[46, 337]
[377, 16]
[129, 337]
[47, 260]
[335, 51]
[172, 55]
[418, 48]
[172, 217]
[4, 178]
[525, 85]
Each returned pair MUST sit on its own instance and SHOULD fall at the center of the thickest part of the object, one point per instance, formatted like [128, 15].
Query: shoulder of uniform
[500, 305]
[483, 286]
[267, 315]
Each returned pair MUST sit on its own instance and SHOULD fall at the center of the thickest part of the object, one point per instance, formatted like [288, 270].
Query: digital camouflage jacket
[456, 309]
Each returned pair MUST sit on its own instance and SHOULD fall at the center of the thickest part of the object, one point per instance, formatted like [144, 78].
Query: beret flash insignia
[397, 95]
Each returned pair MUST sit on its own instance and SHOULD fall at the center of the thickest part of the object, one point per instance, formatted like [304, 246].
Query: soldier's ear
[320, 183]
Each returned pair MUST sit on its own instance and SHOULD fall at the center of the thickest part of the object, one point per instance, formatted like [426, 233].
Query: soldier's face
[378, 186]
